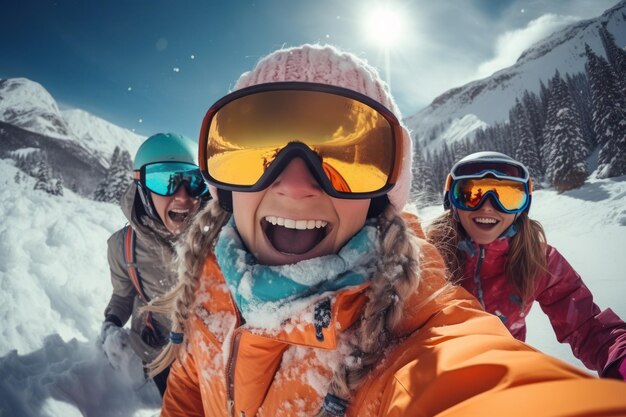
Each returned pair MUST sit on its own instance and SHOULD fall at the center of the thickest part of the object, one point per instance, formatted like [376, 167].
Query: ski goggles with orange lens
[351, 143]
[165, 178]
[507, 185]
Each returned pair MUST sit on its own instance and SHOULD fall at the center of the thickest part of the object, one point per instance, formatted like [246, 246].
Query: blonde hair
[527, 251]
[193, 246]
[397, 277]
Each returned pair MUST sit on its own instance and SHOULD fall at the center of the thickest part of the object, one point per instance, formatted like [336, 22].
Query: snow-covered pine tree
[533, 108]
[581, 94]
[120, 176]
[608, 115]
[58, 187]
[17, 178]
[101, 193]
[423, 193]
[460, 150]
[117, 178]
[615, 55]
[526, 151]
[43, 175]
[544, 93]
[564, 150]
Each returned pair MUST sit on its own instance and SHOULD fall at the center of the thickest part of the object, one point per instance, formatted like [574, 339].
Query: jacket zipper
[230, 373]
[477, 280]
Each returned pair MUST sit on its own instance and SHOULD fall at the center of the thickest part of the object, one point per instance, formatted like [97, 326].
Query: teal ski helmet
[162, 147]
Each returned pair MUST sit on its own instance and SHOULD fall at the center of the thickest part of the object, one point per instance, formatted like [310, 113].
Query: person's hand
[106, 329]
[114, 342]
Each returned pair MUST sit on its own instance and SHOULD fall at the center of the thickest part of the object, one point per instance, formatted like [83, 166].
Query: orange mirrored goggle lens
[469, 193]
[355, 142]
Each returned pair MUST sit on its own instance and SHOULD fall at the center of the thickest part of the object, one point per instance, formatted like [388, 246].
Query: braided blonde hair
[197, 240]
[398, 276]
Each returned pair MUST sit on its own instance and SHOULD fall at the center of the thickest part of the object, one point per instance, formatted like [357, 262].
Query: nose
[296, 181]
[181, 194]
[487, 205]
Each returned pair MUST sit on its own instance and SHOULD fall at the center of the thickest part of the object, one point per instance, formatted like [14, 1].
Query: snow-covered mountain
[489, 100]
[28, 105]
[100, 136]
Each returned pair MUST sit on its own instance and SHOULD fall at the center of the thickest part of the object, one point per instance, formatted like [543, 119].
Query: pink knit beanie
[327, 65]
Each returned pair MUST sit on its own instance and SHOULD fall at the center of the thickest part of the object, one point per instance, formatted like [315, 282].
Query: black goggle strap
[288, 154]
[314, 163]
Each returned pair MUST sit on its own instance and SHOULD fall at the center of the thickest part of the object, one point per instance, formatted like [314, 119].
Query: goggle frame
[139, 176]
[452, 180]
[299, 149]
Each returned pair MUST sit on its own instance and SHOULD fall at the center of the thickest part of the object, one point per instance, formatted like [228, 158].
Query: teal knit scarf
[264, 292]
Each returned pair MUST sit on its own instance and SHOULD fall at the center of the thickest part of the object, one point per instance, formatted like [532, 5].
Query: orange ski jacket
[449, 358]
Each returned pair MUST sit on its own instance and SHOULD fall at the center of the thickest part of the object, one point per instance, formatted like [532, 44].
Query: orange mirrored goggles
[507, 195]
[351, 143]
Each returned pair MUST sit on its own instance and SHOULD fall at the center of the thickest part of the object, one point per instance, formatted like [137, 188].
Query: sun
[385, 25]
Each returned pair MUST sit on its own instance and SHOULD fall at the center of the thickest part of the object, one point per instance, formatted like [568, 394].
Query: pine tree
[608, 115]
[526, 151]
[17, 178]
[43, 174]
[423, 193]
[117, 178]
[58, 187]
[580, 91]
[615, 55]
[564, 146]
[120, 176]
[536, 118]
[544, 93]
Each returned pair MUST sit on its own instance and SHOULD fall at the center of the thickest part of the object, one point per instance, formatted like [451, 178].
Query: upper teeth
[296, 224]
[485, 220]
[181, 211]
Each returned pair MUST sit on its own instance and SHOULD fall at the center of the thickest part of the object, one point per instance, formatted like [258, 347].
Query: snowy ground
[54, 283]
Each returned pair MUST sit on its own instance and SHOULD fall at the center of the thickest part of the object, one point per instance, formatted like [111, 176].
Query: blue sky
[155, 65]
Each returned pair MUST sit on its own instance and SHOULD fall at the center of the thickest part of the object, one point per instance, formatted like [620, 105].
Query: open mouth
[178, 215]
[294, 237]
[485, 223]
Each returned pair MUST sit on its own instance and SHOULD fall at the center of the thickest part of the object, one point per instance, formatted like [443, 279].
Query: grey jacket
[154, 261]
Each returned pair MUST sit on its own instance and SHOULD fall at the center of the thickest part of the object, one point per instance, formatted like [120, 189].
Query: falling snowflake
[176, 69]
[523, 11]
[193, 56]
[130, 88]
[140, 120]
[327, 36]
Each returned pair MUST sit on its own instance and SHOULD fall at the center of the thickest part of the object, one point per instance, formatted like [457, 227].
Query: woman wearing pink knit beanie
[303, 289]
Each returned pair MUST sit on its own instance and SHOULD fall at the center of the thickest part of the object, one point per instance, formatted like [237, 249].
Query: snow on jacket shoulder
[449, 358]
[597, 338]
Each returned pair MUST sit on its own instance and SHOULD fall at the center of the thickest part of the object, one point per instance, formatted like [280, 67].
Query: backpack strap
[133, 273]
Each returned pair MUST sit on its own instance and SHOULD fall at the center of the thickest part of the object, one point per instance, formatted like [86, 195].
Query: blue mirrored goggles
[165, 178]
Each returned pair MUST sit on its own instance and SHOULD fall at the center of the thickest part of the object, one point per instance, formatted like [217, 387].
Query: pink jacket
[597, 338]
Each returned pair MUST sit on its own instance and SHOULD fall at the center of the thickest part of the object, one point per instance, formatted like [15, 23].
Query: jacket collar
[346, 307]
[497, 247]
[317, 325]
